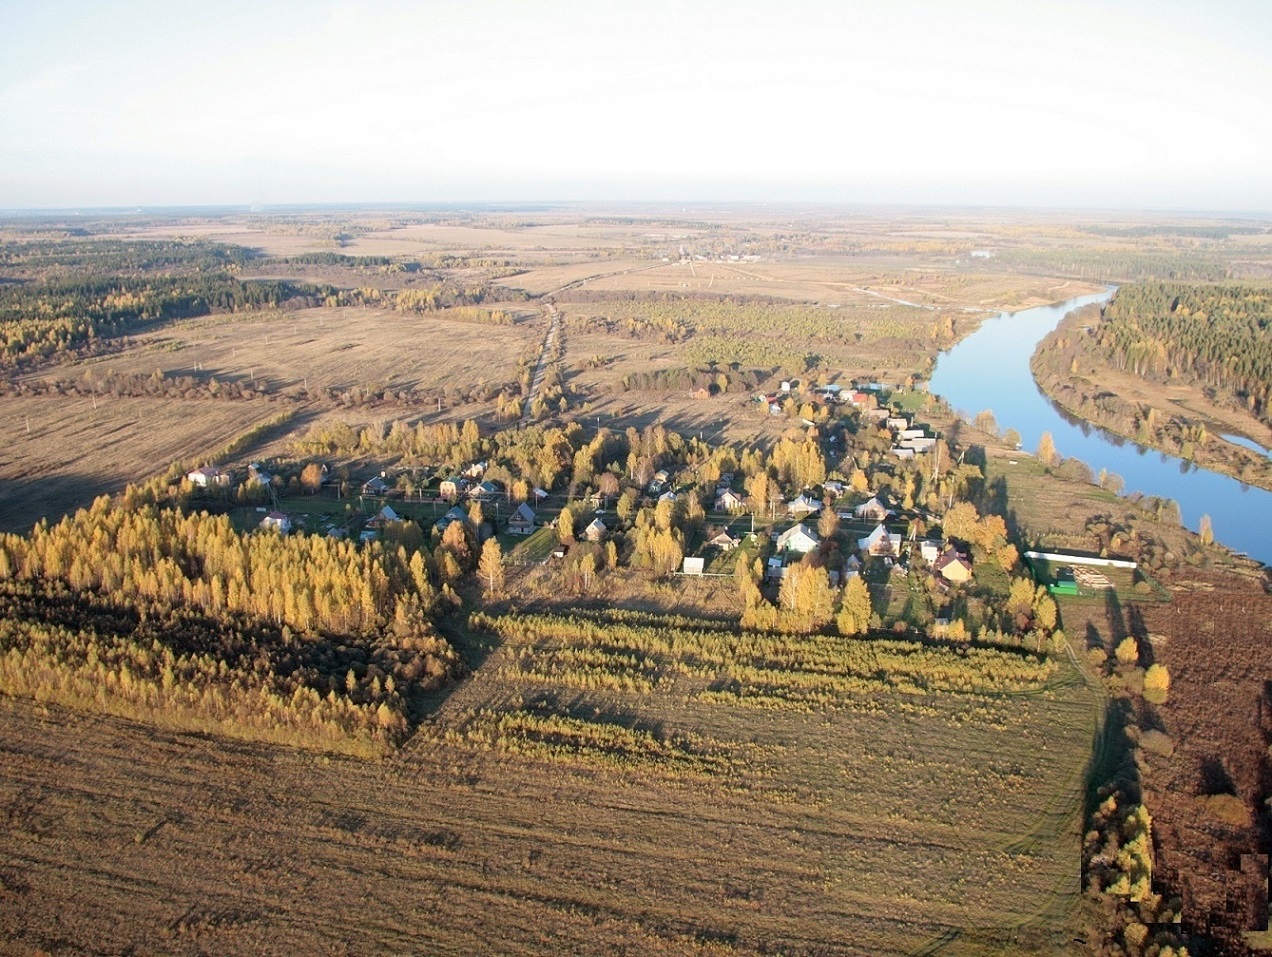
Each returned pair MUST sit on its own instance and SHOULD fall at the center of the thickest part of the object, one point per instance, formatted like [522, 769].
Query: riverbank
[1179, 420]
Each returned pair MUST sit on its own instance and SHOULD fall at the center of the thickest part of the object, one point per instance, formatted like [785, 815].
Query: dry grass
[73, 452]
[881, 830]
[343, 348]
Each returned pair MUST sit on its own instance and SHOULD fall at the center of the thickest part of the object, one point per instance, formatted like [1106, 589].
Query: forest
[162, 614]
[1217, 335]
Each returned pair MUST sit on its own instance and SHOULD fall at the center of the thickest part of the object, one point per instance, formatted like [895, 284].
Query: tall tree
[490, 568]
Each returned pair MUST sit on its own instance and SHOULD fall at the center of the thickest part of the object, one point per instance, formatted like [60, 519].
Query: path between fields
[554, 331]
[549, 343]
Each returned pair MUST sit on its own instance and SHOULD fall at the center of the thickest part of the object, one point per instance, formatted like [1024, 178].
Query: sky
[1159, 104]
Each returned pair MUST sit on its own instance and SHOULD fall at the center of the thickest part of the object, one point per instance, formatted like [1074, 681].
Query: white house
[208, 477]
[872, 511]
[595, 531]
[278, 522]
[729, 501]
[724, 541]
[693, 566]
[522, 520]
[798, 538]
[803, 504]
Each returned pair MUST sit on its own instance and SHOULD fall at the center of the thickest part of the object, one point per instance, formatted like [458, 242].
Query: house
[833, 489]
[880, 542]
[952, 566]
[485, 491]
[693, 566]
[724, 541]
[852, 567]
[522, 520]
[898, 423]
[930, 550]
[661, 477]
[702, 392]
[451, 487]
[798, 538]
[256, 473]
[278, 522]
[475, 471]
[872, 511]
[775, 568]
[375, 486]
[539, 494]
[386, 516]
[208, 477]
[595, 531]
[803, 504]
[456, 514]
[729, 501]
[918, 445]
[667, 496]
[859, 399]
[367, 535]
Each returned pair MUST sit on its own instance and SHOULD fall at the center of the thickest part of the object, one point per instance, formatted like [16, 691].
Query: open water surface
[990, 370]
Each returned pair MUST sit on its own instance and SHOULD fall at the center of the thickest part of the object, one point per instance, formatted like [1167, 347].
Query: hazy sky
[1140, 103]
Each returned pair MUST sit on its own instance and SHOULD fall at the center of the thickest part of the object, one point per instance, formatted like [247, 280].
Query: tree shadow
[1214, 778]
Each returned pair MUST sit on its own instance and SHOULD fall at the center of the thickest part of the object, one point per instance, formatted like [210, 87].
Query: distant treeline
[1123, 265]
[117, 256]
[42, 319]
[685, 379]
[1190, 232]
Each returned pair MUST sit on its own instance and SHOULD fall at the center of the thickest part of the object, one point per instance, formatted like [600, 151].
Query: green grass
[535, 547]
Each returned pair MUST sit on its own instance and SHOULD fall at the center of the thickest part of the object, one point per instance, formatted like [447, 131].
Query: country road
[549, 343]
[554, 333]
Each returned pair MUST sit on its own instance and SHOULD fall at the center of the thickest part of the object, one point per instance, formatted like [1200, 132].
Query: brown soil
[1214, 637]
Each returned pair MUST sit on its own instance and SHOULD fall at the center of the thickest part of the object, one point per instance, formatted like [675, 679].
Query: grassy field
[885, 823]
[74, 452]
[342, 348]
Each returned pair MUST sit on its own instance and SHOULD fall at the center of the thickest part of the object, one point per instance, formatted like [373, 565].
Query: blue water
[1250, 444]
[990, 370]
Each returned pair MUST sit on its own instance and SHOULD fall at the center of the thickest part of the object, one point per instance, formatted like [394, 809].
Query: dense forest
[1217, 335]
[169, 614]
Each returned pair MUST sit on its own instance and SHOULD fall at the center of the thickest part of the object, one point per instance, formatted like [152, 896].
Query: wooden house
[880, 543]
[952, 566]
[522, 520]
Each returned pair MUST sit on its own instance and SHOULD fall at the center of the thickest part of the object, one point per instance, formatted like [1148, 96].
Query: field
[862, 828]
[319, 349]
[59, 452]
[643, 778]
[1206, 771]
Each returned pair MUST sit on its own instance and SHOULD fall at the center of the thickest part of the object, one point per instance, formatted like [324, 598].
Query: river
[990, 370]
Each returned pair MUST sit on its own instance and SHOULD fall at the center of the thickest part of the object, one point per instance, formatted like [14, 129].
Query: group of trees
[152, 611]
[42, 319]
[1215, 335]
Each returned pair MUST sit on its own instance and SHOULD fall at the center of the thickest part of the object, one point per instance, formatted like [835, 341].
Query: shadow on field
[23, 502]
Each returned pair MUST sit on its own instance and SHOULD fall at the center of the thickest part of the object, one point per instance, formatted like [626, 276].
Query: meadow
[533, 814]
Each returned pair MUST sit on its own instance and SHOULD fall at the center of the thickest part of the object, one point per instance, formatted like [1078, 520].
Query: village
[859, 488]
